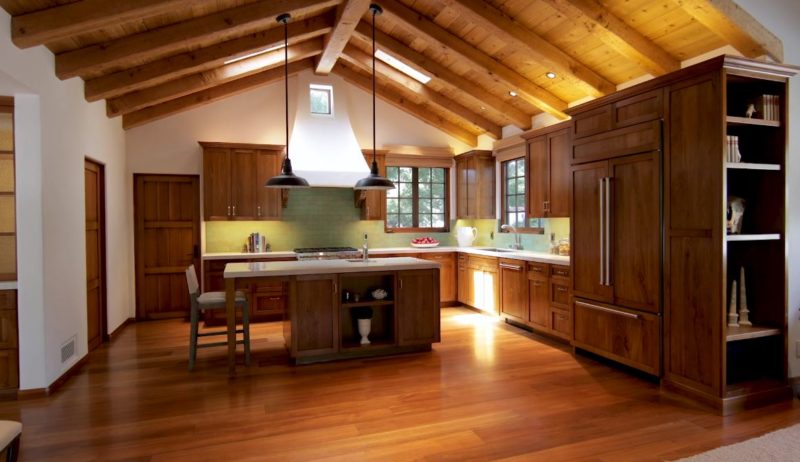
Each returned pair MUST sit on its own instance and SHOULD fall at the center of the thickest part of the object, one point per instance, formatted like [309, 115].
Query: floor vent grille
[68, 350]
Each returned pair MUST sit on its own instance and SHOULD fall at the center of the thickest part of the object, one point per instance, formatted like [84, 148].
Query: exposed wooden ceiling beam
[364, 61]
[443, 74]
[63, 21]
[210, 95]
[172, 89]
[408, 106]
[348, 14]
[513, 33]
[736, 26]
[618, 35]
[449, 44]
[172, 67]
[124, 51]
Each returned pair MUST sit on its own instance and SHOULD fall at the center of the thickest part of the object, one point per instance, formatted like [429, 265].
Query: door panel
[559, 163]
[314, 312]
[586, 261]
[418, 307]
[514, 289]
[95, 253]
[268, 205]
[537, 172]
[167, 242]
[538, 310]
[216, 184]
[243, 180]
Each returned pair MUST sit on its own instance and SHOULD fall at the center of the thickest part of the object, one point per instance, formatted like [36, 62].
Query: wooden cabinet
[463, 279]
[513, 289]
[447, 274]
[549, 309]
[233, 181]
[268, 299]
[9, 357]
[373, 203]
[313, 315]
[548, 171]
[475, 185]
[483, 284]
[538, 295]
[417, 307]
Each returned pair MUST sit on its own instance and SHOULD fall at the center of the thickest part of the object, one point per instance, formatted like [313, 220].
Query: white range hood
[323, 148]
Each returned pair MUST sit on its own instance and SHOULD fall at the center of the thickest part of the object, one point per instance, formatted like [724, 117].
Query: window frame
[415, 204]
[527, 229]
[322, 88]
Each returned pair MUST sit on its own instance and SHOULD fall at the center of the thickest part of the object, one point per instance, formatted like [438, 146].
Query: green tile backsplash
[320, 217]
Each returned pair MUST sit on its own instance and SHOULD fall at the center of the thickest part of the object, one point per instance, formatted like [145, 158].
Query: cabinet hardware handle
[538, 269]
[608, 231]
[401, 283]
[234, 210]
[274, 298]
[259, 210]
[607, 310]
[334, 287]
[229, 210]
[511, 267]
[601, 214]
[561, 289]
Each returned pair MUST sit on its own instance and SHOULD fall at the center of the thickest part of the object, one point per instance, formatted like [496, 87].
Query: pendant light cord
[286, 80]
[374, 155]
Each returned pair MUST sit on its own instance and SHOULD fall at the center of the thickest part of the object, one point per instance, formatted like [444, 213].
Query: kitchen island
[326, 296]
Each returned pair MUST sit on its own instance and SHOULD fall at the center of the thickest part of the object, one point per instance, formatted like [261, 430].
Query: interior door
[94, 195]
[167, 241]
[587, 233]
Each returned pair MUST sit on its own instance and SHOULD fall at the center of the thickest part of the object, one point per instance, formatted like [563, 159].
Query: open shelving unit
[383, 327]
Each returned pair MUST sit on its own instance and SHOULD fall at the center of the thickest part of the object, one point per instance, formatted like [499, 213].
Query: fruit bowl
[423, 242]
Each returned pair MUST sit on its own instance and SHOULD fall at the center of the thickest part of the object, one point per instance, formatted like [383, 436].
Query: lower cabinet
[463, 279]
[417, 307]
[447, 274]
[315, 315]
[483, 284]
[540, 298]
[513, 289]
[268, 300]
[9, 357]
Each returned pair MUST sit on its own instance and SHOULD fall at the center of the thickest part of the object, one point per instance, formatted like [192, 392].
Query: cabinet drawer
[557, 271]
[483, 263]
[537, 270]
[8, 329]
[278, 286]
[592, 122]
[639, 108]
[216, 265]
[8, 299]
[443, 256]
[561, 323]
[629, 337]
[635, 139]
[559, 293]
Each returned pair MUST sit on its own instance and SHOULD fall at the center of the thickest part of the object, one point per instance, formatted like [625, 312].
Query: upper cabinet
[548, 171]
[475, 185]
[373, 202]
[233, 181]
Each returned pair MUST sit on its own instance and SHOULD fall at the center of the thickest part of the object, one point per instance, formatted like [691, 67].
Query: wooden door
[216, 184]
[94, 196]
[244, 177]
[636, 231]
[167, 241]
[587, 257]
[559, 173]
[538, 310]
[462, 186]
[314, 315]
[537, 174]
[268, 203]
[418, 307]
[514, 289]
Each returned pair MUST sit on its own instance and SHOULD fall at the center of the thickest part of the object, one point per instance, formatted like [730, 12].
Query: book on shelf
[768, 107]
[732, 150]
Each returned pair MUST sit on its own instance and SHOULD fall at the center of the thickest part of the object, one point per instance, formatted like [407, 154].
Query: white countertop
[294, 268]
[8, 285]
[525, 255]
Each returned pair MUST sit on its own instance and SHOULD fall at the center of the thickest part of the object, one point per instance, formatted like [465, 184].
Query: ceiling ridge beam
[172, 89]
[450, 44]
[410, 107]
[446, 77]
[149, 45]
[348, 14]
[514, 33]
[736, 26]
[175, 66]
[363, 60]
[200, 98]
[64, 21]
[618, 35]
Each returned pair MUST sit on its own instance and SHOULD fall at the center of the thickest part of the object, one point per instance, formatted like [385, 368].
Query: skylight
[402, 67]
[255, 53]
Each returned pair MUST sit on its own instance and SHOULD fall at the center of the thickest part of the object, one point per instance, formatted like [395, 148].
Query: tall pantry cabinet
[653, 170]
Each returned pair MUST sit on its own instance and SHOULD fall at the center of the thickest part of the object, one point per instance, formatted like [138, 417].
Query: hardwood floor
[489, 391]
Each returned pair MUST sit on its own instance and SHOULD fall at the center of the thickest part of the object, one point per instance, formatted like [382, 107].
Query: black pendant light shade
[374, 180]
[287, 179]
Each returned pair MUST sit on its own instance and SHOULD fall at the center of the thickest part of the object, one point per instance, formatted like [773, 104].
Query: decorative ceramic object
[735, 214]
[364, 328]
[744, 313]
[751, 110]
[733, 316]
[379, 294]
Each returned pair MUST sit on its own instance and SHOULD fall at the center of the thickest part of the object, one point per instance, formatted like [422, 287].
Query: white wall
[56, 129]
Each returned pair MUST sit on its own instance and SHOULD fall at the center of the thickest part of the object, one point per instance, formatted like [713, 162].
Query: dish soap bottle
[365, 248]
[553, 244]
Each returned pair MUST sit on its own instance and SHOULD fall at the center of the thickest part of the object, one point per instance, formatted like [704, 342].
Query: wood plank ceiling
[150, 59]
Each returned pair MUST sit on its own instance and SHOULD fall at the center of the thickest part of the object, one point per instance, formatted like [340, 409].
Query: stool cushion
[9, 430]
[218, 297]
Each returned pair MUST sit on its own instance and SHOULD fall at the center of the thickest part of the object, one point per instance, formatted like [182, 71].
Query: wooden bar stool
[10, 431]
[214, 301]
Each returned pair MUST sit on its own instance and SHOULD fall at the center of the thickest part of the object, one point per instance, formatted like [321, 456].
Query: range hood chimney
[324, 148]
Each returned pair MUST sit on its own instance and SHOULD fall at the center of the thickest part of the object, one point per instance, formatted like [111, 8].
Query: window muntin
[514, 197]
[419, 200]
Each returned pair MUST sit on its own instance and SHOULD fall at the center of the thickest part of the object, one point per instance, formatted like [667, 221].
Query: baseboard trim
[119, 328]
[57, 383]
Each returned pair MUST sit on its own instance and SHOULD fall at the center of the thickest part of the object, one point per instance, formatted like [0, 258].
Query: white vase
[364, 327]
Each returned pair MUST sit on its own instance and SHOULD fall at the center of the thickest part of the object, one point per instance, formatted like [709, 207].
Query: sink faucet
[517, 245]
[365, 249]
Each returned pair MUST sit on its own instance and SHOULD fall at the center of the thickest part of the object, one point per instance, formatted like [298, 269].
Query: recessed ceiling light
[551, 75]
[483, 108]
[512, 93]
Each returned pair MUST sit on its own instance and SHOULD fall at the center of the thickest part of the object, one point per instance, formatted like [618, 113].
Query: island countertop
[305, 267]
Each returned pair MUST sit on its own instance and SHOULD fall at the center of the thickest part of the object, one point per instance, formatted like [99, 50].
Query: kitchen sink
[360, 260]
[500, 249]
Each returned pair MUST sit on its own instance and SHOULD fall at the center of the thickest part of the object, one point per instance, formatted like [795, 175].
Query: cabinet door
[418, 307]
[513, 289]
[474, 287]
[560, 323]
[243, 178]
[484, 187]
[314, 315]
[538, 310]
[472, 188]
[463, 280]
[268, 200]
[216, 184]
[462, 186]
[268, 299]
[587, 255]
[447, 274]
[537, 174]
[374, 205]
[559, 173]
[636, 231]
[491, 292]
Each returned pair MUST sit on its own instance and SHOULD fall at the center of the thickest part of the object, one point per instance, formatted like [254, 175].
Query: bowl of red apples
[424, 242]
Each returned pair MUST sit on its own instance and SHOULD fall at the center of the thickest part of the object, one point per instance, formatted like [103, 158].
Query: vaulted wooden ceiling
[153, 58]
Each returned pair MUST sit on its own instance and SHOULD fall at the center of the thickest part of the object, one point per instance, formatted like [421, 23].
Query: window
[402, 67]
[514, 197]
[321, 97]
[419, 200]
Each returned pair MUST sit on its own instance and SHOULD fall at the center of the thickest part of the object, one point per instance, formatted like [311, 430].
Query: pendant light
[287, 179]
[374, 180]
